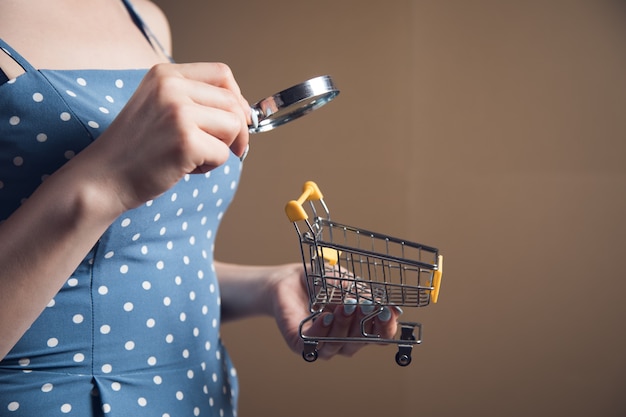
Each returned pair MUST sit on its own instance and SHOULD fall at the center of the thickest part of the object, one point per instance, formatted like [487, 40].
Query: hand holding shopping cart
[352, 267]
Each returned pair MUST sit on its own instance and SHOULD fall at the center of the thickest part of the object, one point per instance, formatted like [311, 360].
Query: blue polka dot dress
[135, 330]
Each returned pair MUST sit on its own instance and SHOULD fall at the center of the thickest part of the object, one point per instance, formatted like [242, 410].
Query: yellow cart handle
[434, 293]
[294, 209]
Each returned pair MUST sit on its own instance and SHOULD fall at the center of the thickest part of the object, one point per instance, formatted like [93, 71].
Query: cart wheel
[309, 353]
[403, 359]
[310, 356]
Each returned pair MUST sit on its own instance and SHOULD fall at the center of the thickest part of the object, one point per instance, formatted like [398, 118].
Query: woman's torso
[135, 330]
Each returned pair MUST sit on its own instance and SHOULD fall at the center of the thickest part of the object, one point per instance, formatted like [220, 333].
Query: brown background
[494, 130]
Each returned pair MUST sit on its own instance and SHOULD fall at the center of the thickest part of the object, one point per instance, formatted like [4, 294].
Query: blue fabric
[135, 330]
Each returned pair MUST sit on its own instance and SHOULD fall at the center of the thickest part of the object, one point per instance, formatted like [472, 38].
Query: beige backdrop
[494, 130]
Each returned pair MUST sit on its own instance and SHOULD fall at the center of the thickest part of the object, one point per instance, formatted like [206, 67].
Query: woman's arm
[280, 292]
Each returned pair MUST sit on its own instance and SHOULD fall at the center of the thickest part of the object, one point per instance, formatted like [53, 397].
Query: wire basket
[348, 265]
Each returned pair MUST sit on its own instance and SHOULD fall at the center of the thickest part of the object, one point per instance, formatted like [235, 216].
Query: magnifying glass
[292, 103]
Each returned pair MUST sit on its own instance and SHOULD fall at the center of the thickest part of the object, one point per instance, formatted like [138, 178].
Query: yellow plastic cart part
[294, 209]
[434, 293]
[331, 256]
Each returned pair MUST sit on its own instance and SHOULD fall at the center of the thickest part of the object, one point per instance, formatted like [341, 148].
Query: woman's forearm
[248, 291]
[43, 242]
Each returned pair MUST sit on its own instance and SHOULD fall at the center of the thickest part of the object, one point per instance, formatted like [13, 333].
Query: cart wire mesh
[348, 265]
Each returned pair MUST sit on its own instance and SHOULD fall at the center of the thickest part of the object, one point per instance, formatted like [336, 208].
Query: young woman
[116, 166]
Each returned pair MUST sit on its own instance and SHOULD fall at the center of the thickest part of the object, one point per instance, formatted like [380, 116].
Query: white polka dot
[179, 395]
[93, 124]
[219, 202]
[214, 377]
[38, 97]
[196, 411]
[47, 387]
[124, 269]
[81, 81]
[130, 345]
[69, 154]
[126, 222]
[109, 255]
[196, 331]
[169, 338]
[105, 329]
[226, 169]
[157, 380]
[79, 357]
[103, 290]
[142, 401]
[52, 342]
[215, 188]
[170, 245]
[150, 323]
[163, 231]
[72, 282]
[18, 161]
[78, 318]
[104, 110]
[42, 137]
[146, 285]
[119, 83]
[207, 346]
[160, 265]
[200, 274]
[152, 361]
[182, 316]
[65, 116]
[185, 354]
[109, 99]
[116, 386]
[178, 280]
[24, 362]
[190, 374]
[128, 306]
[107, 368]
[136, 237]
[192, 240]
[13, 406]
[200, 207]
[14, 121]
[144, 250]
[192, 295]
[106, 408]
[66, 408]
[70, 93]
[174, 197]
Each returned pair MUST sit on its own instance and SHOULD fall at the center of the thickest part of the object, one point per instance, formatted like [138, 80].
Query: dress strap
[13, 54]
[149, 35]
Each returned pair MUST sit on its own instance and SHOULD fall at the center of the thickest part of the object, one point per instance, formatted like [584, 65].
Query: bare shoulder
[156, 21]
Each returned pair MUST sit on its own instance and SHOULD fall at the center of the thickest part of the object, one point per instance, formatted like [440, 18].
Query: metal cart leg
[403, 357]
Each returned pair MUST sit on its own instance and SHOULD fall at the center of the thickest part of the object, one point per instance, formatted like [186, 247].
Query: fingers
[347, 321]
[222, 112]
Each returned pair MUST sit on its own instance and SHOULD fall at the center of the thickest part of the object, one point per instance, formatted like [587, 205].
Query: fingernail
[255, 117]
[349, 306]
[328, 319]
[245, 153]
[398, 310]
[367, 306]
[385, 315]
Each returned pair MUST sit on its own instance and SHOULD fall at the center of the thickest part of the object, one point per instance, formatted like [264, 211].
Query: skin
[184, 118]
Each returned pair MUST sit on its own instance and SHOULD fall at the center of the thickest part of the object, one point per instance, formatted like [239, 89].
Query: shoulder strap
[13, 54]
[147, 33]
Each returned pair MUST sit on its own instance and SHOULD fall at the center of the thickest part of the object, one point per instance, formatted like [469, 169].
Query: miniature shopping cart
[347, 265]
